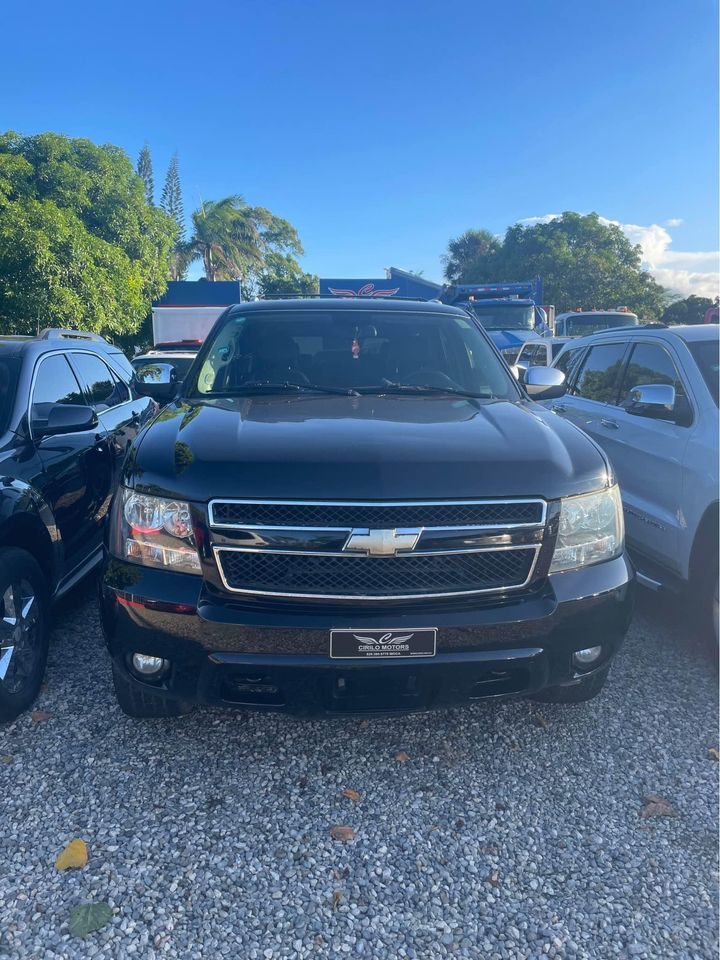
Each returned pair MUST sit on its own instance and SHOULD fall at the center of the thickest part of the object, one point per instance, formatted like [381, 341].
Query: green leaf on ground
[86, 918]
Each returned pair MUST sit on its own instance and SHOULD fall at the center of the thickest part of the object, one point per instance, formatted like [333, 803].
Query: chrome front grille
[314, 550]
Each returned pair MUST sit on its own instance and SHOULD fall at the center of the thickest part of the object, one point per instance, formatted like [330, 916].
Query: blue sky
[383, 129]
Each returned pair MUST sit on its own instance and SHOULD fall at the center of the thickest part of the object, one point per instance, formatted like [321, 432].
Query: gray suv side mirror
[544, 383]
[654, 400]
[157, 380]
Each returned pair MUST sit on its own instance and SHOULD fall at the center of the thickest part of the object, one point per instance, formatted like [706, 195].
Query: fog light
[148, 666]
[583, 658]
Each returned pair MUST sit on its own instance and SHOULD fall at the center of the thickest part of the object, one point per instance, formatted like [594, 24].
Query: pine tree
[145, 170]
[171, 201]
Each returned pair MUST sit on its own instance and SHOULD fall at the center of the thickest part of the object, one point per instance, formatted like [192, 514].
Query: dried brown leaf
[6, 758]
[493, 878]
[342, 833]
[336, 899]
[402, 757]
[351, 794]
[540, 721]
[714, 754]
[40, 716]
[655, 806]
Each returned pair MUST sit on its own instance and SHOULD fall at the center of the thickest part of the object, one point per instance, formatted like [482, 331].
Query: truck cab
[510, 312]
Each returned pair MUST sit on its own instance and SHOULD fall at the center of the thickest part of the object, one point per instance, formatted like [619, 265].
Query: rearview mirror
[654, 400]
[544, 383]
[65, 418]
[157, 380]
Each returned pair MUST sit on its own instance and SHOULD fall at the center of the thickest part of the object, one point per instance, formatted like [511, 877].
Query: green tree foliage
[145, 172]
[236, 241]
[79, 244]
[690, 310]
[471, 257]
[283, 276]
[171, 200]
[583, 262]
[172, 203]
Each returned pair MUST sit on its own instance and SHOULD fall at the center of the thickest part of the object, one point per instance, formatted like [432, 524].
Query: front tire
[24, 630]
[580, 692]
[143, 703]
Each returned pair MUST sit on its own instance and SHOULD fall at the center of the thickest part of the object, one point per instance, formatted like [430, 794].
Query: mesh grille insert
[375, 576]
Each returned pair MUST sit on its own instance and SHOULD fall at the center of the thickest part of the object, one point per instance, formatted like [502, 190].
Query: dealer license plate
[382, 644]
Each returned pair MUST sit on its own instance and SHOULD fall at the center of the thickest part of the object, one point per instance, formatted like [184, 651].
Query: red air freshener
[356, 349]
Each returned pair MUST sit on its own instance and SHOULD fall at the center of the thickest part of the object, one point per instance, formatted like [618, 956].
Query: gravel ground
[512, 831]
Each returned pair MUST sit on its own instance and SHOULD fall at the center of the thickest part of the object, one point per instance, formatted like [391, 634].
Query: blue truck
[510, 312]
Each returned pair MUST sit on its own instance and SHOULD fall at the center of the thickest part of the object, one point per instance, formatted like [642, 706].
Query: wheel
[576, 693]
[142, 703]
[24, 621]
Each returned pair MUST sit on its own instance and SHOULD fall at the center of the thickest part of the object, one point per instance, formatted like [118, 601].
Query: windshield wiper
[252, 385]
[388, 386]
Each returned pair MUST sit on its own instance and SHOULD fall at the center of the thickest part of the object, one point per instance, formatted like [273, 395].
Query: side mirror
[654, 400]
[544, 383]
[157, 380]
[66, 418]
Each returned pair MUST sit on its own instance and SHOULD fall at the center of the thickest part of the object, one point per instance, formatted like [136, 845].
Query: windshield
[582, 326]
[9, 368]
[515, 317]
[707, 357]
[349, 351]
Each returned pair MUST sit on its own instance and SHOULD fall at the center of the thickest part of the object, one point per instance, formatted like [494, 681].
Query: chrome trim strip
[394, 596]
[386, 504]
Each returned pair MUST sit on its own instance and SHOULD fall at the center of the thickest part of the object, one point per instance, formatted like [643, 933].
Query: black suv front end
[330, 552]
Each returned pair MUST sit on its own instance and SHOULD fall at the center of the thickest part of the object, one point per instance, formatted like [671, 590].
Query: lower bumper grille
[347, 577]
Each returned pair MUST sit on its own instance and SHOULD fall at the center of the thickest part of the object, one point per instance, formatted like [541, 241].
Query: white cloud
[681, 271]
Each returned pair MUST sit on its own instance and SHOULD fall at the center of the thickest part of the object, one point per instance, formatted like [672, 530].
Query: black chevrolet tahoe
[352, 505]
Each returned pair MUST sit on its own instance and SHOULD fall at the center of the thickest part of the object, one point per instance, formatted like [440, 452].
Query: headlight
[591, 530]
[155, 532]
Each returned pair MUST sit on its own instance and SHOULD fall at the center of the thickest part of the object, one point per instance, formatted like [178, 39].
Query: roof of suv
[349, 303]
[13, 345]
[690, 333]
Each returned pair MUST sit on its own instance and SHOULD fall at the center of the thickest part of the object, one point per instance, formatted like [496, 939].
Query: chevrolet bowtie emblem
[382, 543]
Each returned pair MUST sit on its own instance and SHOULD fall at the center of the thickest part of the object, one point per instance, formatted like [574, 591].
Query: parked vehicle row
[353, 505]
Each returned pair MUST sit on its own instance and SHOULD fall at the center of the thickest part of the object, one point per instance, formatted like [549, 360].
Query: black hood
[362, 448]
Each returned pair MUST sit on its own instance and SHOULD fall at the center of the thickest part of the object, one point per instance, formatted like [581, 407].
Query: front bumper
[275, 656]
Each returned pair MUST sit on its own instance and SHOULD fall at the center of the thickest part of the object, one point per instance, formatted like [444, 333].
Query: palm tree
[232, 238]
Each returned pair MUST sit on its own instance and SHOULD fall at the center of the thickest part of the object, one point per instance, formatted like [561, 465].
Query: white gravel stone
[209, 835]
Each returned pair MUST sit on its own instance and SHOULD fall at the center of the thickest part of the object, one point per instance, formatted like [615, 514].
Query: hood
[362, 448]
[511, 339]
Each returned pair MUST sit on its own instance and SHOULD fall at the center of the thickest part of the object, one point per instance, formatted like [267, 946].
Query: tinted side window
[538, 358]
[650, 363]
[122, 362]
[598, 377]
[566, 360]
[54, 383]
[103, 386]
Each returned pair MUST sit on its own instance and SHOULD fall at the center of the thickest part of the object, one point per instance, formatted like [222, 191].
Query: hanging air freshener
[356, 347]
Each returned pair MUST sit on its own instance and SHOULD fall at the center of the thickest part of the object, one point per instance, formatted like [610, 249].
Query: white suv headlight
[591, 530]
[155, 532]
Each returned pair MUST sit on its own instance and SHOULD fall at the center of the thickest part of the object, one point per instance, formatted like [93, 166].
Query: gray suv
[649, 396]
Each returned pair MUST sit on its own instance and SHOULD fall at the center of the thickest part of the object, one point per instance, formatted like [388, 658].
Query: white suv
[649, 396]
